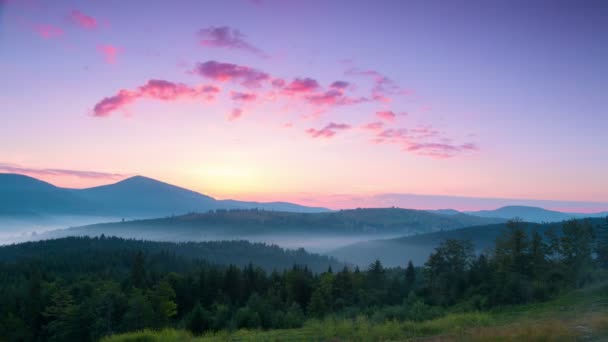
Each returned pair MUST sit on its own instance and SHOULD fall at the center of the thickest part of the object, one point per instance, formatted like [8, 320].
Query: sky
[333, 103]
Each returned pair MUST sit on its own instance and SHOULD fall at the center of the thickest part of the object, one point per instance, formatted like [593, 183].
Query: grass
[579, 315]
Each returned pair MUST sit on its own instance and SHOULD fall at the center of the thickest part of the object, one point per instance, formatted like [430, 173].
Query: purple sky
[337, 103]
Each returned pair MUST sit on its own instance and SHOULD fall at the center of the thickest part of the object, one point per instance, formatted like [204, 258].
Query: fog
[21, 229]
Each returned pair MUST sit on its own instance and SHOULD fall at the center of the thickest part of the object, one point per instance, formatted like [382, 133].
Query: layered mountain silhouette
[533, 214]
[247, 223]
[135, 197]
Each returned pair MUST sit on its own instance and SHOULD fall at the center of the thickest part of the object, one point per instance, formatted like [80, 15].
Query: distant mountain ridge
[139, 197]
[239, 224]
[532, 214]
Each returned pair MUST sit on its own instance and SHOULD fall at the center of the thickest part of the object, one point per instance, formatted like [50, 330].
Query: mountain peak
[138, 180]
[22, 182]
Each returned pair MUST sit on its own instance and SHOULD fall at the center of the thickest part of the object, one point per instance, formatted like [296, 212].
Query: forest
[84, 289]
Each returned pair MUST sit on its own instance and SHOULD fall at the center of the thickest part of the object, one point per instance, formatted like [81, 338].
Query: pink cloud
[109, 52]
[278, 83]
[333, 97]
[48, 31]
[223, 72]
[110, 104]
[244, 97]
[328, 131]
[386, 115]
[41, 172]
[383, 86]
[302, 85]
[339, 85]
[235, 114]
[423, 141]
[83, 20]
[374, 126]
[154, 89]
[226, 37]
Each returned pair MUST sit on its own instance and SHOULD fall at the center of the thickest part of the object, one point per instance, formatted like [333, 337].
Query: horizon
[407, 201]
[496, 102]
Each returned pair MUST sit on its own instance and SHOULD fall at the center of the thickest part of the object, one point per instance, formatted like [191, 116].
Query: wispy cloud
[383, 87]
[109, 52]
[83, 20]
[424, 142]
[328, 131]
[243, 97]
[302, 85]
[302, 95]
[374, 126]
[154, 89]
[47, 31]
[41, 172]
[235, 114]
[386, 115]
[224, 72]
[339, 85]
[227, 37]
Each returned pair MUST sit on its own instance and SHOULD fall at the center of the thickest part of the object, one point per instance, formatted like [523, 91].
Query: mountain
[142, 196]
[133, 197]
[533, 214]
[445, 211]
[23, 195]
[252, 224]
[398, 251]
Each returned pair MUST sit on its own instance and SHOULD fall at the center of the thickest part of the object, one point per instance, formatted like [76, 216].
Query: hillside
[231, 224]
[135, 197]
[100, 254]
[398, 251]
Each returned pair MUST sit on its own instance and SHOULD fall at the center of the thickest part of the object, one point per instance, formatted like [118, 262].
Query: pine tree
[410, 276]
[601, 248]
[58, 314]
[198, 320]
[138, 272]
[163, 302]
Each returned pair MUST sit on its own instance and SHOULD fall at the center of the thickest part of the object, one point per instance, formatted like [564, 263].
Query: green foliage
[120, 286]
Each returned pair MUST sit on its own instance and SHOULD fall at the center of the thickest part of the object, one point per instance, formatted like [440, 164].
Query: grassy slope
[579, 315]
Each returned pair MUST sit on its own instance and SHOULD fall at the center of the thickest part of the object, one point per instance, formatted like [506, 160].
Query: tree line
[64, 297]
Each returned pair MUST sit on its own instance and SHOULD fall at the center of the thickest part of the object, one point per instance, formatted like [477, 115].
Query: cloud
[235, 114]
[386, 115]
[83, 20]
[48, 31]
[339, 85]
[154, 89]
[226, 37]
[423, 141]
[244, 97]
[113, 103]
[224, 72]
[383, 87]
[278, 83]
[328, 131]
[302, 85]
[109, 52]
[333, 97]
[373, 126]
[38, 172]
[439, 150]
